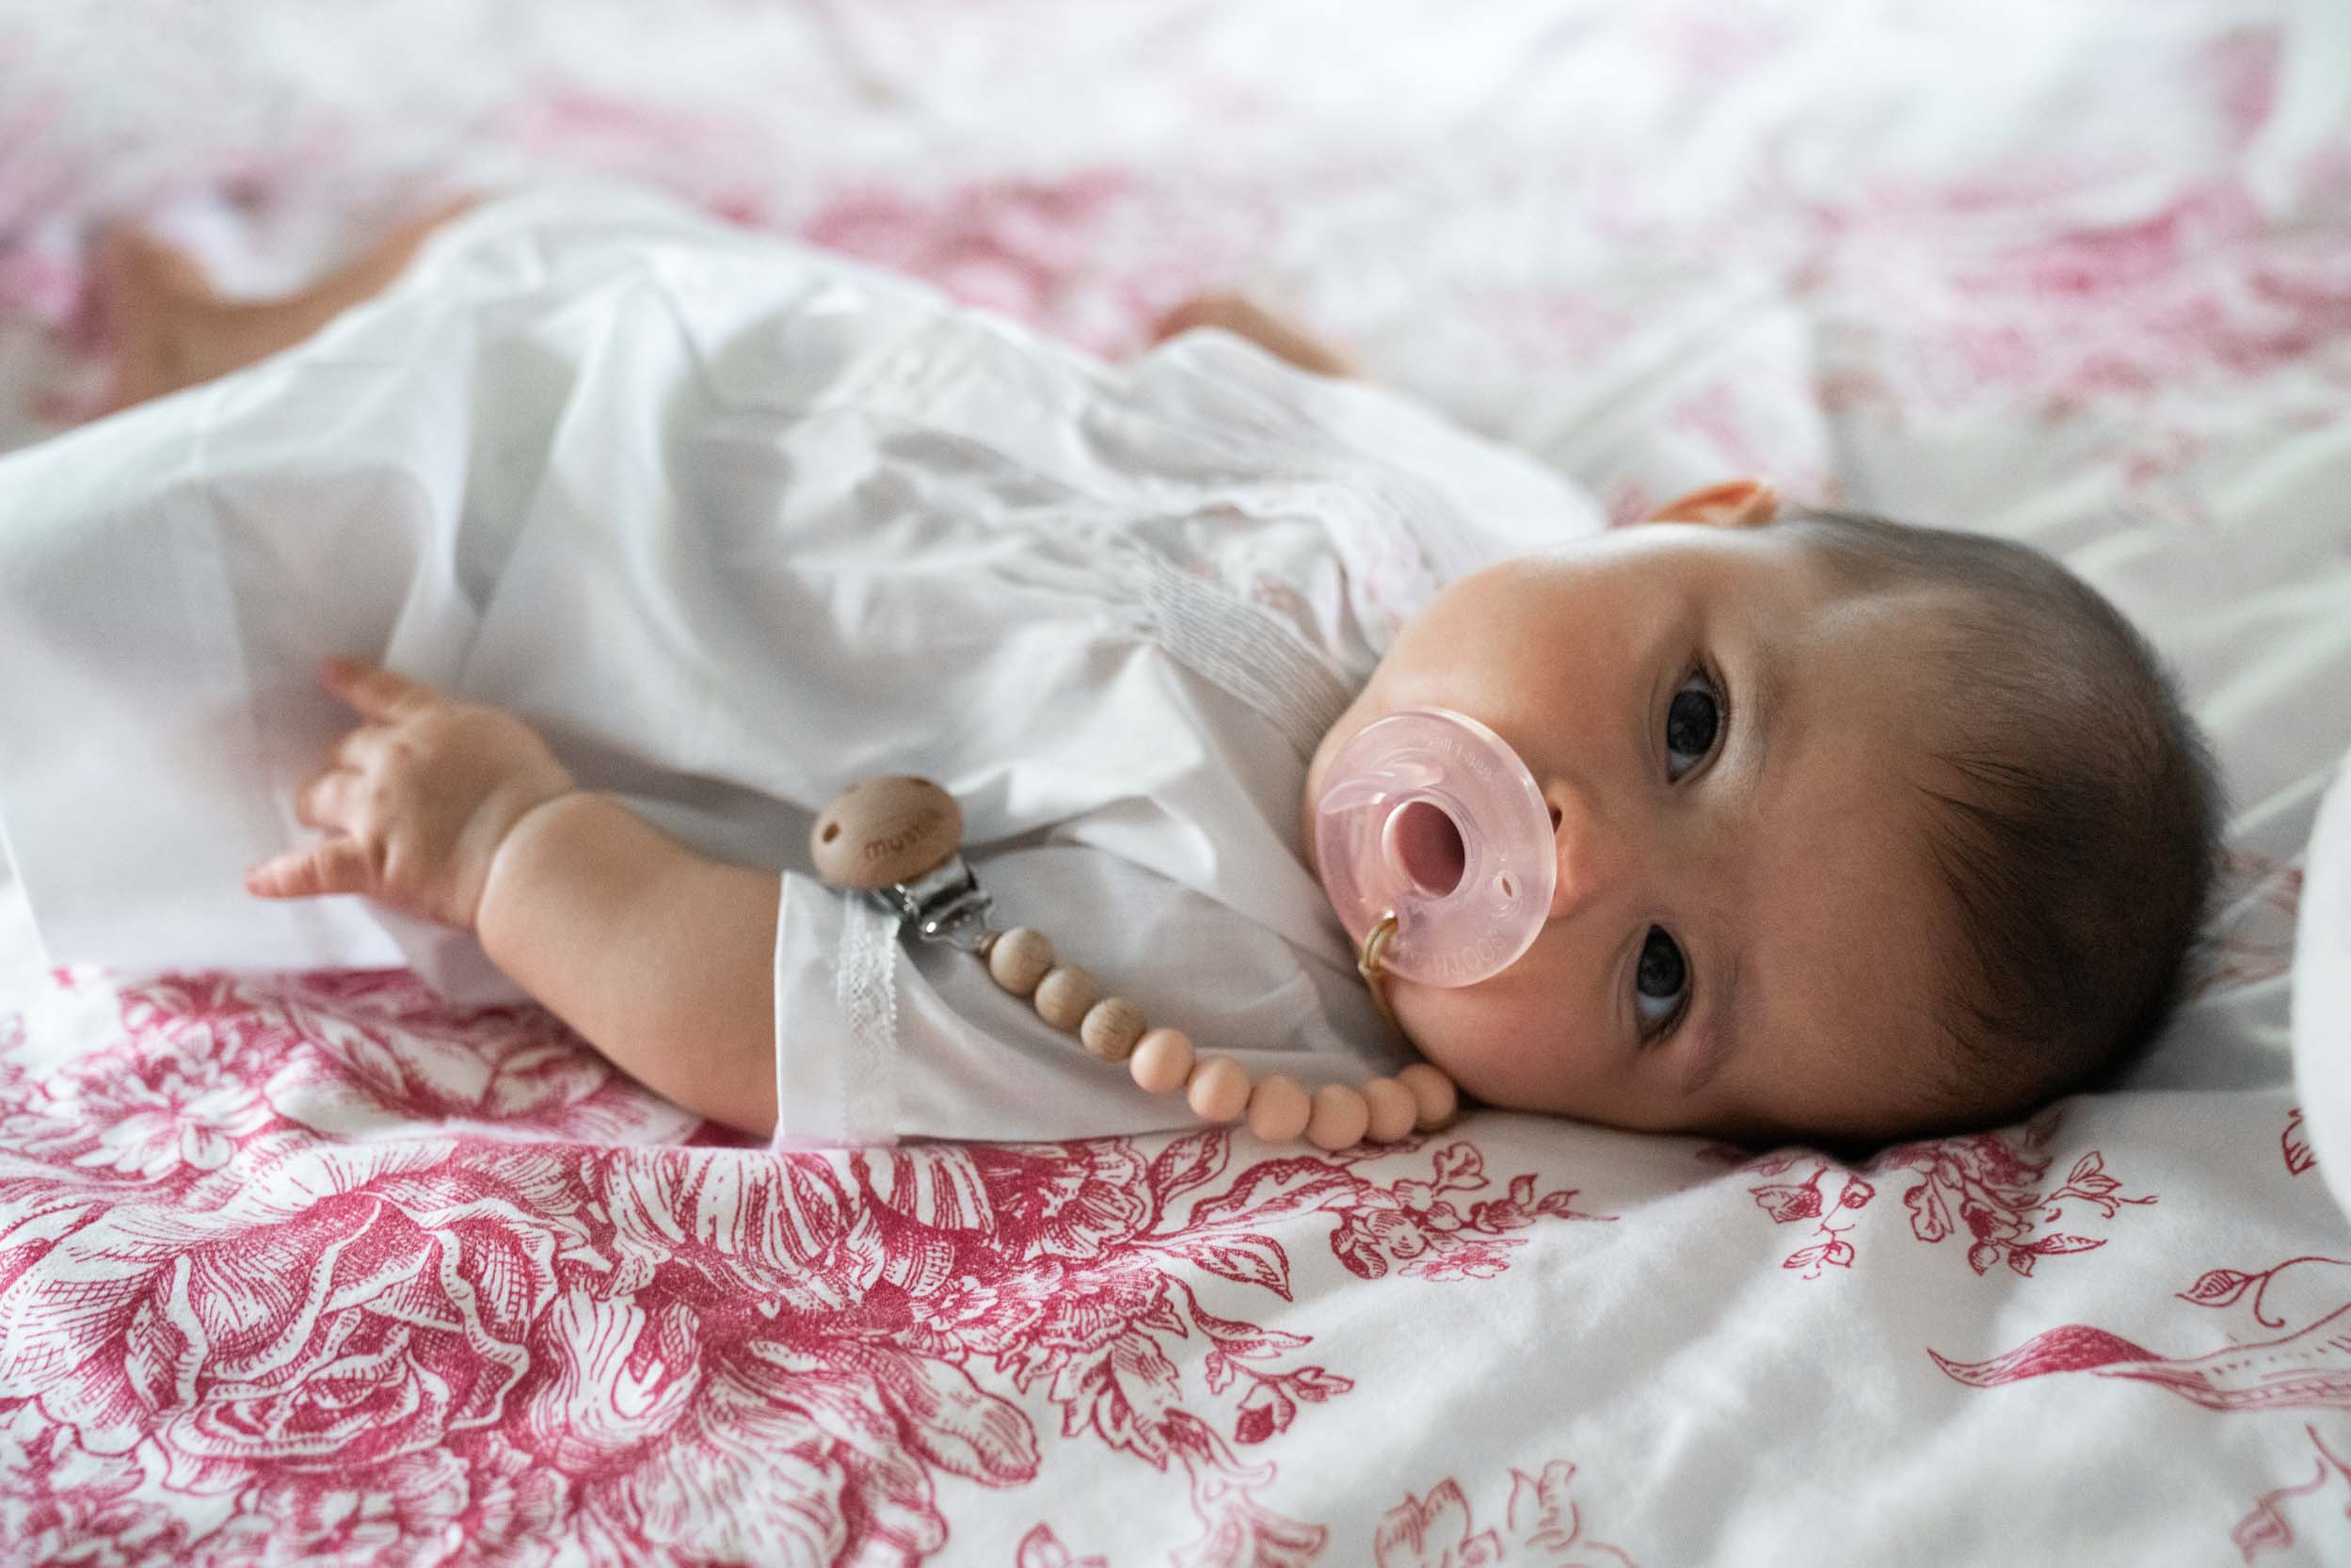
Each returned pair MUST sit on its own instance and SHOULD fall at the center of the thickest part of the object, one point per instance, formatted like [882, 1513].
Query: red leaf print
[1838, 1253]
[1857, 1192]
[1265, 1412]
[1461, 1165]
[2050, 1245]
[1246, 1341]
[1162, 1315]
[1275, 1189]
[956, 1425]
[2295, 1148]
[1314, 1384]
[1928, 1222]
[2089, 1178]
[1220, 1372]
[1103, 1392]
[1184, 1165]
[1358, 1250]
[2264, 1530]
[2215, 1287]
[1041, 1548]
[1249, 1259]
[1786, 1205]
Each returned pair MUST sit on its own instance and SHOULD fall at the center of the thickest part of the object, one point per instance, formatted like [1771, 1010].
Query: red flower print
[373, 1351]
[1980, 1185]
[1066, 1200]
[381, 1053]
[1543, 1529]
[1994, 1191]
[1789, 1204]
[158, 1121]
[57, 1499]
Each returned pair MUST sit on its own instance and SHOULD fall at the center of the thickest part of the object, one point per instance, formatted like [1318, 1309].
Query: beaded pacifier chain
[898, 840]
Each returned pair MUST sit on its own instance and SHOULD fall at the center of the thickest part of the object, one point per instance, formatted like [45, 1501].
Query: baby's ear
[1735, 504]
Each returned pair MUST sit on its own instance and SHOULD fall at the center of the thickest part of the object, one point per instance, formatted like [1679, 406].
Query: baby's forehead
[1844, 922]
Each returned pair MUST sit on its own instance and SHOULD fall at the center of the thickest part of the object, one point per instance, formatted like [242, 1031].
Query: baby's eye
[1693, 722]
[1660, 984]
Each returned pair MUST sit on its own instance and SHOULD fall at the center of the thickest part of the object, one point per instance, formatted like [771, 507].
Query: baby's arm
[662, 958]
[1245, 319]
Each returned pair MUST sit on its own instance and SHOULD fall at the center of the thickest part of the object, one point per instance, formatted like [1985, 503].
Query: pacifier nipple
[1429, 817]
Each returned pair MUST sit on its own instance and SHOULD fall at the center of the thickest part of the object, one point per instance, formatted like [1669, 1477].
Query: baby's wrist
[514, 842]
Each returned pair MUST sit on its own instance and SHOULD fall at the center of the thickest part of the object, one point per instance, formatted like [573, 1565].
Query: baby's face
[1745, 941]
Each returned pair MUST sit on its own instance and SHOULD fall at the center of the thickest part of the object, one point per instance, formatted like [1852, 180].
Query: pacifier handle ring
[1374, 971]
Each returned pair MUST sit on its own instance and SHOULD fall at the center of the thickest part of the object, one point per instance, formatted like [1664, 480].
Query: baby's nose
[1591, 856]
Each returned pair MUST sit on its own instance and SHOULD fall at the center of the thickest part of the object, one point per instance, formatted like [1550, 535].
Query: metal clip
[945, 904]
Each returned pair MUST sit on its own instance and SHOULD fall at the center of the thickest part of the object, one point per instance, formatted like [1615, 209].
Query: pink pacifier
[1434, 845]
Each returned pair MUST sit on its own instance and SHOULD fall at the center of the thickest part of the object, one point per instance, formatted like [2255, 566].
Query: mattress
[319, 1267]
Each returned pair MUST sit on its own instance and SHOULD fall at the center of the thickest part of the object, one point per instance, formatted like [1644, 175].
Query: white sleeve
[876, 1038]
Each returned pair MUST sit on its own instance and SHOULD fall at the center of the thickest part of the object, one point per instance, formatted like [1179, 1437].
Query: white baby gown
[732, 523]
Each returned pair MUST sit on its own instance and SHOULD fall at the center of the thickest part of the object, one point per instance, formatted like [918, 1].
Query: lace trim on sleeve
[864, 985]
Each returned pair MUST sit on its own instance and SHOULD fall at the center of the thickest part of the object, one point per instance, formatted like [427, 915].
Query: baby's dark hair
[2073, 807]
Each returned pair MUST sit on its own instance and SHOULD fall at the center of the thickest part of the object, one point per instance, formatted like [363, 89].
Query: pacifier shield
[1430, 815]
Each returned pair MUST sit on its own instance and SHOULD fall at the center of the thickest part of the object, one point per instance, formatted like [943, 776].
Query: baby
[1863, 831]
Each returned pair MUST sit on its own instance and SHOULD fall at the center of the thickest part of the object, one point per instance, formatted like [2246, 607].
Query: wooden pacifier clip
[898, 840]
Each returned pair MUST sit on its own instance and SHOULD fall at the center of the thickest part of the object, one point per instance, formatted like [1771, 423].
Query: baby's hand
[417, 800]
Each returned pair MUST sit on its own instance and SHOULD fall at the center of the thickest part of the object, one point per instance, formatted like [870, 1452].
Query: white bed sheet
[311, 1267]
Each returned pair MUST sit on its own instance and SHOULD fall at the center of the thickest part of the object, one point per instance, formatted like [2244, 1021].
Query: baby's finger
[357, 749]
[337, 865]
[328, 801]
[375, 690]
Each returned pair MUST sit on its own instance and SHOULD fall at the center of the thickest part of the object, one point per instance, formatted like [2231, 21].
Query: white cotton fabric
[2322, 990]
[733, 522]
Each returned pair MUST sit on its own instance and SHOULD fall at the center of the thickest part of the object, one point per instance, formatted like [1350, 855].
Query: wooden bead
[1065, 995]
[1433, 1094]
[1163, 1060]
[1393, 1109]
[1278, 1109]
[884, 830]
[1019, 958]
[1219, 1090]
[1339, 1117]
[1110, 1028]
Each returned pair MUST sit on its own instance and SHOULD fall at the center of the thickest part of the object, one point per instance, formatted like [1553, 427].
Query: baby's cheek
[1481, 1043]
